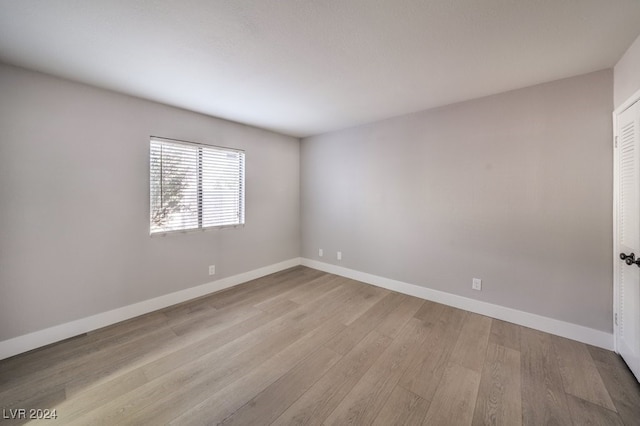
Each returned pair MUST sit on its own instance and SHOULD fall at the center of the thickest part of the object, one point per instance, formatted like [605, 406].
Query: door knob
[630, 259]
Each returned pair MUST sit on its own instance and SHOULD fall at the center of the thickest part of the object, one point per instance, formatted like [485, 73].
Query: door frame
[616, 259]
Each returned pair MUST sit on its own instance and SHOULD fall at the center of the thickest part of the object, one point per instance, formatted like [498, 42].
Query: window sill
[193, 231]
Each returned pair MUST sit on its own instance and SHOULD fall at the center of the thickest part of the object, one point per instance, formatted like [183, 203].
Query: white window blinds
[194, 186]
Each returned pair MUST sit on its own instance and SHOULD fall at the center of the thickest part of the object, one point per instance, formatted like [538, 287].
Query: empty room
[367, 212]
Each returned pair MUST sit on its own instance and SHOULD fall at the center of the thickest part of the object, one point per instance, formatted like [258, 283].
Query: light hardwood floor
[305, 347]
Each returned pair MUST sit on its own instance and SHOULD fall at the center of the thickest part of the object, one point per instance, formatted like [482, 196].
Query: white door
[627, 226]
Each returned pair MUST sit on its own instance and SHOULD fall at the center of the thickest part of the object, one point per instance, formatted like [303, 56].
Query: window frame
[199, 171]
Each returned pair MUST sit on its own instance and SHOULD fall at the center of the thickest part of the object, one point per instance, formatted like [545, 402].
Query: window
[194, 186]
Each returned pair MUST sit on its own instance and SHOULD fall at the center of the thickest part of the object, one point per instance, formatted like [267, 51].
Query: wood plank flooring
[309, 348]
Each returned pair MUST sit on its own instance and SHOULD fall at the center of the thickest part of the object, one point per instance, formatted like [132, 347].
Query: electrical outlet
[212, 269]
[339, 255]
[476, 284]
[320, 252]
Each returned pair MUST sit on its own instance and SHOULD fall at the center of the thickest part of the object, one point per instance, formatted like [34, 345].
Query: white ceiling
[304, 67]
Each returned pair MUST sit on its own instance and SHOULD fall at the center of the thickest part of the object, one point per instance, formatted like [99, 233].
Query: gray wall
[515, 189]
[74, 202]
[627, 74]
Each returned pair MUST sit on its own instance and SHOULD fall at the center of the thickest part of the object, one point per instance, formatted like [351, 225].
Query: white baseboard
[549, 325]
[60, 332]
